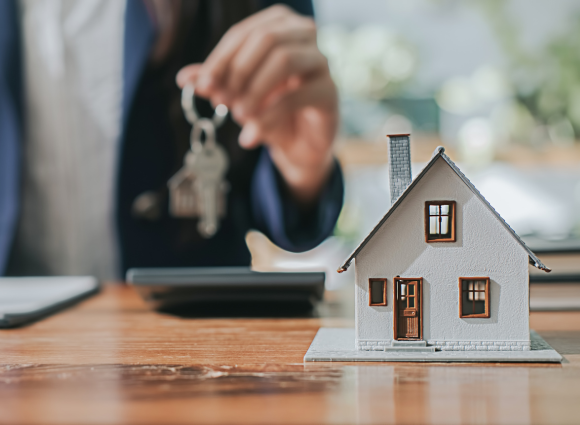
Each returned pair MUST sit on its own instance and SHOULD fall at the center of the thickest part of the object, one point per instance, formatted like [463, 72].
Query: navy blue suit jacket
[257, 199]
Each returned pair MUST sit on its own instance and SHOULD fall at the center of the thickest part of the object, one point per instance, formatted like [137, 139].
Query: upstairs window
[440, 221]
[474, 297]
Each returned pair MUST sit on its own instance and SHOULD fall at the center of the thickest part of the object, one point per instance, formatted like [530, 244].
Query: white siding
[483, 247]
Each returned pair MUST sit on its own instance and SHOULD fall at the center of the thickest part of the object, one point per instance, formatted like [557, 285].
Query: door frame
[396, 281]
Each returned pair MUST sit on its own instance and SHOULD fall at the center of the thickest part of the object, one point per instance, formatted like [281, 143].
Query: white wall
[483, 248]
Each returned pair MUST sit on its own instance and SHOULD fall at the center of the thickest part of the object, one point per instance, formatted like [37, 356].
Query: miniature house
[441, 269]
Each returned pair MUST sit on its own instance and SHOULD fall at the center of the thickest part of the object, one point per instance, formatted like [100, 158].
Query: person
[91, 130]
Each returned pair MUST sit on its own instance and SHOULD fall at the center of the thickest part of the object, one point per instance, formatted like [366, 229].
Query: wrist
[305, 180]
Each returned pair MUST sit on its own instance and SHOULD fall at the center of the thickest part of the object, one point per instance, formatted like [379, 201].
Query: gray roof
[440, 153]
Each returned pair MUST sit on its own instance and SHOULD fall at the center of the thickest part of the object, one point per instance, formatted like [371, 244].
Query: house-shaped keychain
[183, 201]
[441, 277]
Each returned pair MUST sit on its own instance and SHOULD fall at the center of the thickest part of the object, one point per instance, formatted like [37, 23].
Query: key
[199, 188]
[210, 167]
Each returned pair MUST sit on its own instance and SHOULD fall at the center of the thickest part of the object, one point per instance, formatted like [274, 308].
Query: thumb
[187, 74]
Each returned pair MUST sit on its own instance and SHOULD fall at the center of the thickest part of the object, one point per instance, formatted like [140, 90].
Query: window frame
[384, 282]
[484, 315]
[452, 221]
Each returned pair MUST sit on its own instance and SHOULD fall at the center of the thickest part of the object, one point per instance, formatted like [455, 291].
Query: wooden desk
[111, 360]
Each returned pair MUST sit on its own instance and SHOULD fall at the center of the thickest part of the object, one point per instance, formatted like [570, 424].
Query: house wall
[483, 247]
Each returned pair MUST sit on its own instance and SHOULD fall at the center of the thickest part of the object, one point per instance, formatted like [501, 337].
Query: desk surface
[111, 360]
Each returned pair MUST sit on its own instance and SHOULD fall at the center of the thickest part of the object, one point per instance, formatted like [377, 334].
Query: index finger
[216, 65]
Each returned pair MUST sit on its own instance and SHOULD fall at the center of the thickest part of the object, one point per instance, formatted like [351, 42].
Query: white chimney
[399, 164]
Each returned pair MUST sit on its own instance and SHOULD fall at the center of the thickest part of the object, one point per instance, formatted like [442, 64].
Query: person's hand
[268, 70]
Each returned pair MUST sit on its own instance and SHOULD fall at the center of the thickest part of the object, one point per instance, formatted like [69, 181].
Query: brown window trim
[453, 219]
[474, 316]
[384, 281]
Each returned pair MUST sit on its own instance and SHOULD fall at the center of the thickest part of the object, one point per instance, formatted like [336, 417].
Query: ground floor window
[474, 297]
[377, 291]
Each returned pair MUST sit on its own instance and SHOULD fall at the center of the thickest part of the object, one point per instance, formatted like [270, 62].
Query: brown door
[408, 309]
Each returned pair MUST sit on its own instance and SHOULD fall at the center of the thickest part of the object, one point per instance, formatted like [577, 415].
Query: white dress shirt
[73, 61]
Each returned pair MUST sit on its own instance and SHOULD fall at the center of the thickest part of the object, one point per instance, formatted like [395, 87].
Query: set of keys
[198, 189]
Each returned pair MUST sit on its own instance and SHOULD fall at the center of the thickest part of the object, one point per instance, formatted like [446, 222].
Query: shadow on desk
[227, 309]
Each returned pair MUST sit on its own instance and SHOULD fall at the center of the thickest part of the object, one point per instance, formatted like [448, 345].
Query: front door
[408, 309]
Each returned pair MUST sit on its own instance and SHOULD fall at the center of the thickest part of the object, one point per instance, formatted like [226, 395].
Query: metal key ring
[188, 106]
[202, 125]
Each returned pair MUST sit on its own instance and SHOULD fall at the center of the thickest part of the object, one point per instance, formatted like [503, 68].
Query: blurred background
[497, 82]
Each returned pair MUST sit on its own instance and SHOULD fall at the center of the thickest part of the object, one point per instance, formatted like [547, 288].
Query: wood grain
[111, 360]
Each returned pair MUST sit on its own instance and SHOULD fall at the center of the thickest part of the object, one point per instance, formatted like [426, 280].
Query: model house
[441, 269]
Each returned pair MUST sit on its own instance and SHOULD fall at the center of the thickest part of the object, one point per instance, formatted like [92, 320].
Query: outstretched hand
[268, 70]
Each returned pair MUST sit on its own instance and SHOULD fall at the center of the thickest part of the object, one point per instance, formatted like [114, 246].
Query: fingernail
[249, 134]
